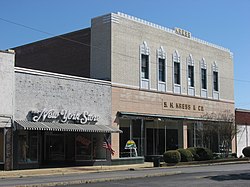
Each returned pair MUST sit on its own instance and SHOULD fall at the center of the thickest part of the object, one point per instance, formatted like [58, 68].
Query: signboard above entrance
[64, 116]
[182, 106]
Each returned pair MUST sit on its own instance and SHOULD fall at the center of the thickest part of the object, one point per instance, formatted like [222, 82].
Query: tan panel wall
[128, 35]
[151, 102]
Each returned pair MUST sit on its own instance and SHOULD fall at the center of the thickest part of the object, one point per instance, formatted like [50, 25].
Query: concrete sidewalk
[71, 170]
[90, 174]
[92, 169]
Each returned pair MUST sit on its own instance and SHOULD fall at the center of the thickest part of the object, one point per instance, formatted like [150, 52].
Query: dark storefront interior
[41, 148]
[155, 136]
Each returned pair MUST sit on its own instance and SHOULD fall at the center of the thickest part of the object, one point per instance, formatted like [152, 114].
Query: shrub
[172, 156]
[200, 153]
[246, 151]
[186, 155]
[204, 153]
[194, 153]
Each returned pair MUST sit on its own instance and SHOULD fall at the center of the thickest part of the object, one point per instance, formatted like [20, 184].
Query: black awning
[47, 126]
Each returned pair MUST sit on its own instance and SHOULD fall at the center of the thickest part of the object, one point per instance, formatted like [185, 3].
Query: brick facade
[66, 54]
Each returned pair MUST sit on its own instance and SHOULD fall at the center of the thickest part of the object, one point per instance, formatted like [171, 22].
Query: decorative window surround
[177, 59]
[144, 50]
[191, 88]
[216, 93]
[161, 54]
[203, 66]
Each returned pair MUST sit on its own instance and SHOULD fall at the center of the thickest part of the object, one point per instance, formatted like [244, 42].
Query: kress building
[167, 86]
[163, 87]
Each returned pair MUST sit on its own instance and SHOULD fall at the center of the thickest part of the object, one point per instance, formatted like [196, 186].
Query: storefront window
[89, 146]
[2, 145]
[27, 147]
[152, 137]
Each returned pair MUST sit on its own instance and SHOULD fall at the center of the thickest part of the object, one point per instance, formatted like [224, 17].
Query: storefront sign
[182, 32]
[64, 116]
[182, 106]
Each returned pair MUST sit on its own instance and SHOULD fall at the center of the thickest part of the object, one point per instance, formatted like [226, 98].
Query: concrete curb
[66, 171]
[69, 170]
[99, 180]
[208, 164]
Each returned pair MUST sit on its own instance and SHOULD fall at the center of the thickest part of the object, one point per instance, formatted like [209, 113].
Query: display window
[27, 147]
[89, 146]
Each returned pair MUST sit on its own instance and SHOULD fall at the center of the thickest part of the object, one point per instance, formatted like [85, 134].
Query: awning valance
[135, 115]
[142, 115]
[47, 126]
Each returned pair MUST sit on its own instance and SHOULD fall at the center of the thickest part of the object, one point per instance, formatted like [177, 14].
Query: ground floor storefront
[36, 148]
[157, 122]
[155, 135]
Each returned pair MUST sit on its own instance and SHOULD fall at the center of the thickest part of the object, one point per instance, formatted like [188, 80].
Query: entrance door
[55, 147]
[161, 140]
[155, 141]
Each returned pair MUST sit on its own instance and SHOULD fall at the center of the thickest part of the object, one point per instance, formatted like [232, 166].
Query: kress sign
[64, 116]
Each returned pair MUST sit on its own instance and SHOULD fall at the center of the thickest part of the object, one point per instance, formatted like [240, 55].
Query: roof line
[170, 31]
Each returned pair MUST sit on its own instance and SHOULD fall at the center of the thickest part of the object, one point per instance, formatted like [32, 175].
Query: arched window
[176, 72]
[144, 66]
[203, 69]
[161, 69]
[190, 75]
[215, 81]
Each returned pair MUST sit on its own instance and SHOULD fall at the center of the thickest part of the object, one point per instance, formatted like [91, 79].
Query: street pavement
[83, 175]
[239, 178]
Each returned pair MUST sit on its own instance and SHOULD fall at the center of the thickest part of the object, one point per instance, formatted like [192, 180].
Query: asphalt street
[199, 174]
[205, 179]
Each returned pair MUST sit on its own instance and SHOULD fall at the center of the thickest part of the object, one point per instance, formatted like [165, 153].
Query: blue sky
[222, 22]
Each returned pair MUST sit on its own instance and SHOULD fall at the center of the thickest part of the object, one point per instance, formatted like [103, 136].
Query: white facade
[243, 138]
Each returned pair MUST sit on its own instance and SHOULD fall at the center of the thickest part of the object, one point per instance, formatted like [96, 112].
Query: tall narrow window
[215, 80]
[190, 76]
[144, 66]
[216, 93]
[177, 75]
[203, 78]
[162, 70]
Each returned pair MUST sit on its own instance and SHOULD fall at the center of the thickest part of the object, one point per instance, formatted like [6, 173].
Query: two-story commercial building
[167, 86]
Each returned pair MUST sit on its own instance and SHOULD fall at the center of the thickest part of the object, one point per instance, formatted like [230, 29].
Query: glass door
[55, 147]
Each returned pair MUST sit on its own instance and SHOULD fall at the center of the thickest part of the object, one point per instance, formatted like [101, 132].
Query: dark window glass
[191, 76]
[177, 76]
[215, 79]
[203, 78]
[161, 69]
[144, 66]
[27, 146]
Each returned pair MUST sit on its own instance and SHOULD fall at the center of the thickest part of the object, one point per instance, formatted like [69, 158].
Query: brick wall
[242, 117]
[66, 54]
[35, 91]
